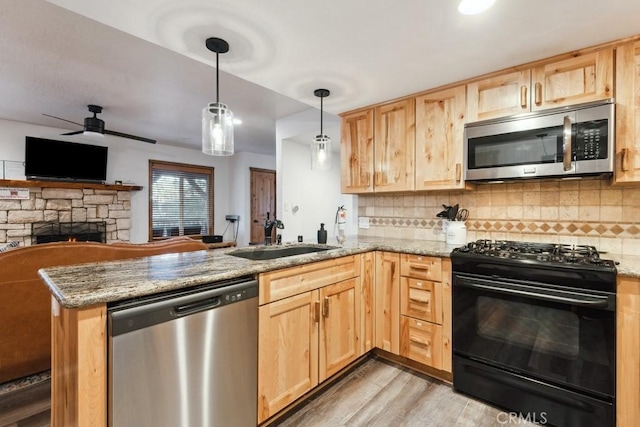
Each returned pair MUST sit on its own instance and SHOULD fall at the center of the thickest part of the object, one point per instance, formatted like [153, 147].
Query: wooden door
[263, 200]
[394, 146]
[499, 96]
[582, 78]
[339, 326]
[387, 311]
[356, 152]
[627, 167]
[439, 139]
[367, 308]
[287, 351]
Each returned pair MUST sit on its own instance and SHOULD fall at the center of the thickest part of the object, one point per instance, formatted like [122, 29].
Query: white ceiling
[154, 80]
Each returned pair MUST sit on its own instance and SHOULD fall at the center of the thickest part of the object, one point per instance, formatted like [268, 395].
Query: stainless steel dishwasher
[186, 359]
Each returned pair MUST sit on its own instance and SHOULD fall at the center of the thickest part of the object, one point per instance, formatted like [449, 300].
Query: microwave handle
[566, 144]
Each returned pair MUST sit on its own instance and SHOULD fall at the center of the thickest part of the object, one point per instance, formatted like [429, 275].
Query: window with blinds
[180, 200]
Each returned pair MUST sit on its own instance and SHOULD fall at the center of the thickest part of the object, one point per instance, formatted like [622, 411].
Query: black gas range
[534, 330]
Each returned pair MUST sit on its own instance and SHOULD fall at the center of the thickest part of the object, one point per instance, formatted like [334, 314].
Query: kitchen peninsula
[81, 294]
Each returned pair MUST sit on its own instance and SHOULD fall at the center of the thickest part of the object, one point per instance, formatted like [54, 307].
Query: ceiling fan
[94, 125]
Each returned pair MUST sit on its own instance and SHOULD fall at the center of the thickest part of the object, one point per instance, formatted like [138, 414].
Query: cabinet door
[356, 152]
[339, 326]
[582, 78]
[498, 96]
[439, 139]
[394, 147]
[421, 341]
[627, 167]
[388, 301]
[287, 351]
[628, 351]
[421, 299]
[367, 308]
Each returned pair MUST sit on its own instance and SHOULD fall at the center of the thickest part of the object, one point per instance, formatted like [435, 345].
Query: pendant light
[217, 119]
[321, 145]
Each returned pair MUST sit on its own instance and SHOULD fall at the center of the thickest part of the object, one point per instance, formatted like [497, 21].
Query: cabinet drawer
[421, 341]
[284, 283]
[421, 299]
[421, 267]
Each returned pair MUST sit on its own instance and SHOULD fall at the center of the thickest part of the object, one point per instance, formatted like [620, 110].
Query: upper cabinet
[580, 78]
[498, 96]
[627, 166]
[356, 152]
[394, 146]
[439, 133]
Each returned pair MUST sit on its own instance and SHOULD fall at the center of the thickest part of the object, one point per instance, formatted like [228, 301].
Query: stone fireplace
[67, 209]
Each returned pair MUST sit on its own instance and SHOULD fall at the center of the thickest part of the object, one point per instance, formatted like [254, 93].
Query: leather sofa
[25, 301]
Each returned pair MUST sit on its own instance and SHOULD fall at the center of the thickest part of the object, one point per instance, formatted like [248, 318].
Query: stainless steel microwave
[563, 142]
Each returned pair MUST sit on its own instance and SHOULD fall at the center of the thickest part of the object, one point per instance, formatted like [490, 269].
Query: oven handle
[591, 302]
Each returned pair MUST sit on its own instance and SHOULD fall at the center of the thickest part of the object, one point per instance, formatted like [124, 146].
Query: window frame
[188, 168]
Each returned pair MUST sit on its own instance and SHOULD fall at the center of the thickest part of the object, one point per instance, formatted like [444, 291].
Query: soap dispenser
[322, 234]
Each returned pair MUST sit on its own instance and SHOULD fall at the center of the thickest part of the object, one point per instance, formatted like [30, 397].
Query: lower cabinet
[628, 351]
[387, 294]
[304, 339]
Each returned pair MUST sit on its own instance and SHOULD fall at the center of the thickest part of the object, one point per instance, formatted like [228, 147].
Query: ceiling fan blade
[73, 133]
[126, 135]
[59, 118]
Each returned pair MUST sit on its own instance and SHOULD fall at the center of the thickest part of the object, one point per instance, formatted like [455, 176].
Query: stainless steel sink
[273, 252]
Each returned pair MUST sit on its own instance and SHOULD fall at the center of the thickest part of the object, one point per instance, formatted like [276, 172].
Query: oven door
[561, 337]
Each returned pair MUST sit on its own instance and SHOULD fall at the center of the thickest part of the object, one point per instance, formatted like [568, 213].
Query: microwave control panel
[591, 140]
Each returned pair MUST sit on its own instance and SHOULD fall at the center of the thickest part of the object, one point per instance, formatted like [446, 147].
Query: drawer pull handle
[419, 341]
[420, 300]
[420, 266]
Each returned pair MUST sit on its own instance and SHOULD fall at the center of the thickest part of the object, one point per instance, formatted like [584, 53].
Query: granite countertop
[96, 283]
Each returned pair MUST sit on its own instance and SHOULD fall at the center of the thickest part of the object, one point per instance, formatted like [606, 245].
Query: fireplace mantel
[62, 184]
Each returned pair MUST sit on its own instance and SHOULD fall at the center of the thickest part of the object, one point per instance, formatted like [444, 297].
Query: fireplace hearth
[47, 232]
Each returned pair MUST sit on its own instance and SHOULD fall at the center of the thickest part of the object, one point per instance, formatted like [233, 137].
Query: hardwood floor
[380, 393]
[377, 393]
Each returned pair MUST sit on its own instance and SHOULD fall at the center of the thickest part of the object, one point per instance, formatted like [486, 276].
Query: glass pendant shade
[321, 153]
[217, 130]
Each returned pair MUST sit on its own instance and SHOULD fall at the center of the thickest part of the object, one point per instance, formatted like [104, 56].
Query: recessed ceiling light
[473, 7]
[237, 121]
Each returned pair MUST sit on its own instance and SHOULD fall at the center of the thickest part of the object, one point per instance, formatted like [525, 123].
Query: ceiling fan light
[473, 7]
[92, 134]
[217, 130]
[321, 153]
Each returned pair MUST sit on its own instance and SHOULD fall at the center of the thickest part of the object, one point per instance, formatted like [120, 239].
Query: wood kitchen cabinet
[627, 162]
[356, 152]
[580, 78]
[425, 310]
[387, 294]
[440, 118]
[309, 328]
[394, 146]
[627, 351]
[367, 309]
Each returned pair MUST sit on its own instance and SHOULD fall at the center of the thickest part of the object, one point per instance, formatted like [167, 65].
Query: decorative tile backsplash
[588, 211]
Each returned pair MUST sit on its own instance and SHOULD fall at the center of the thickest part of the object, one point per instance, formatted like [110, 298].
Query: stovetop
[544, 253]
[559, 264]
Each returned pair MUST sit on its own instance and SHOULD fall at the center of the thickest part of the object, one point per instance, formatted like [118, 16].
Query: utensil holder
[455, 232]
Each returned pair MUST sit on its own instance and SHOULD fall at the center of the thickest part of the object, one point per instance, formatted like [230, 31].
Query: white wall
[316, 193]
[239, 192]
[128, 161]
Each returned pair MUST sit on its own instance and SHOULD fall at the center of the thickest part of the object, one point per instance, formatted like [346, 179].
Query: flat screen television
[64, 161]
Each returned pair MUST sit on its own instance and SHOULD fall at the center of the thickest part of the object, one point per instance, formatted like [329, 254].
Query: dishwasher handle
[143, 313]
[194, 307]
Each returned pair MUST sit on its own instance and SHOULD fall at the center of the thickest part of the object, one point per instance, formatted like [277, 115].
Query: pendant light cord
[217, 80]
[321, 107]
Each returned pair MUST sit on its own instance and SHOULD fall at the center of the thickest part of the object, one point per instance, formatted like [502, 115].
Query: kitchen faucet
[268, 227]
